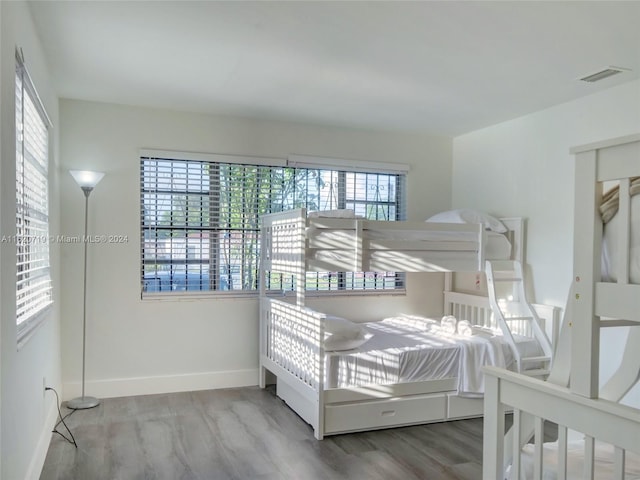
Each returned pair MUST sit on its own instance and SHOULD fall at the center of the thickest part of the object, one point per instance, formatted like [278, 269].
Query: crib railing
[534, 401]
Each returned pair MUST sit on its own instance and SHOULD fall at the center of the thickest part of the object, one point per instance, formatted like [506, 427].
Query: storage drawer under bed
[352, 417]
[463, 407]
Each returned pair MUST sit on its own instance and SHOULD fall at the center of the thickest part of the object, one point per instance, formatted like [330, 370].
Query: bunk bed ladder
[515, 315]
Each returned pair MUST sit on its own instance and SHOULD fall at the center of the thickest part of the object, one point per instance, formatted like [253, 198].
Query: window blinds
[200, 219]
[33, 282]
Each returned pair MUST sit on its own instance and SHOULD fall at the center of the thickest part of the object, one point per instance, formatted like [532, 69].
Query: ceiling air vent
[604, 73]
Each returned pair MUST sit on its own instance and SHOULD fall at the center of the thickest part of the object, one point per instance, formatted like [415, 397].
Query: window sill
[198, 296]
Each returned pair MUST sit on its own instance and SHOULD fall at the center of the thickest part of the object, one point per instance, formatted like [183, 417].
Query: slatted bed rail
[597, 419]
[292, 341]
[477, 310]
[294, 242]
[291, 348]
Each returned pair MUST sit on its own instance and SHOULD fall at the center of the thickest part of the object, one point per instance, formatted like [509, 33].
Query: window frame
[292, 162]
[36, 120]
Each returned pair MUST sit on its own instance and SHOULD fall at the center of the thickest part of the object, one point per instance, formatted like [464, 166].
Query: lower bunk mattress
[414, 349]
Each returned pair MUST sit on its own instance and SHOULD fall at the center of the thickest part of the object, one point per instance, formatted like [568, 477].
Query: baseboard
[40, 452]
[125, 387]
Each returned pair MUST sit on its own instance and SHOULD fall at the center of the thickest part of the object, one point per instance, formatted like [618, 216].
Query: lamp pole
[87, 181]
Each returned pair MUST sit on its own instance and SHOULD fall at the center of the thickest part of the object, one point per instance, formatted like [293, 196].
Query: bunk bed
[605, 293]
[338, 391]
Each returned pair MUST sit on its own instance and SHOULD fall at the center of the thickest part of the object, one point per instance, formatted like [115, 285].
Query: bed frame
[593, 304]
[292, 243]
[291, 334]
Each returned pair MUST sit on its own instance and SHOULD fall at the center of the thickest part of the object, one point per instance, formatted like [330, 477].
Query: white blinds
[200, 219]
[33, 282]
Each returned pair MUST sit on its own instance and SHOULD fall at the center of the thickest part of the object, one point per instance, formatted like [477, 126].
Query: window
[200, 219]
[33, 282]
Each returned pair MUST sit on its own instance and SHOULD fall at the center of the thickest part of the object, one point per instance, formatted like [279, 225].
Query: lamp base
[81, 403]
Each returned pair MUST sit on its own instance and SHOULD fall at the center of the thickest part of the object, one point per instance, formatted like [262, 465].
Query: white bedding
[575, 460]
[403, 350]
[610, 245]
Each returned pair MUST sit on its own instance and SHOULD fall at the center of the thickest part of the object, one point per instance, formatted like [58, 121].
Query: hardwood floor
[247, 434]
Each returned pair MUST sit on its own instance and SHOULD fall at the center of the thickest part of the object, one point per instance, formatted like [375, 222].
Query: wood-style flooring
[248, 434]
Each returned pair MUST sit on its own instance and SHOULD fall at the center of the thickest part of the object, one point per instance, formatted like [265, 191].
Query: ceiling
[441, 67]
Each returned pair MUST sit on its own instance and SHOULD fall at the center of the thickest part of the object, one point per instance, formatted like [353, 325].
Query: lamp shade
[86, 178]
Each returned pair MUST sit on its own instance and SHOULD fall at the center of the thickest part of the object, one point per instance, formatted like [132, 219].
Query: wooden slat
[624, 235]
[614, 164]
[617, 301]
[538, 448]
[562, 452]
[589, 457]
[612, 142]
[516, 449]
[585, 346]
[493, 445]
[420, 246]
[516, 237]
[618, 463]
[358, 262]
[618, 323]
[346, 240]
[417, 228]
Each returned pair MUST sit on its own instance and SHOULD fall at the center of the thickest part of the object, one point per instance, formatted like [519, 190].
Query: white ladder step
[542, 358]
[537, 372]
[509, 275]
[619, 323]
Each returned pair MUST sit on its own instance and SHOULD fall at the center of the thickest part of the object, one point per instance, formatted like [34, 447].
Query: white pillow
[343, 334]
[465, 215]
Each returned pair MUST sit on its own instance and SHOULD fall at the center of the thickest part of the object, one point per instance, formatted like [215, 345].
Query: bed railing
[597, 419]
[294, 244]
[292, 335]
[477, 310]
[292, 341]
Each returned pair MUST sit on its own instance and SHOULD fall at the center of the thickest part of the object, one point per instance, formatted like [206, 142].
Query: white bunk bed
[292, 335]
[605, 292]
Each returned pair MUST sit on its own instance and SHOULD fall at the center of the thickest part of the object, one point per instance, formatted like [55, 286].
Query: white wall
[523, 168]
[136, 346]
[27, 414]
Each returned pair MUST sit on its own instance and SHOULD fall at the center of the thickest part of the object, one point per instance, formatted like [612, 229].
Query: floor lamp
[87, 181]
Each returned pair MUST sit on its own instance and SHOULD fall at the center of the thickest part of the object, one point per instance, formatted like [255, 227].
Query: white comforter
[411, 349]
